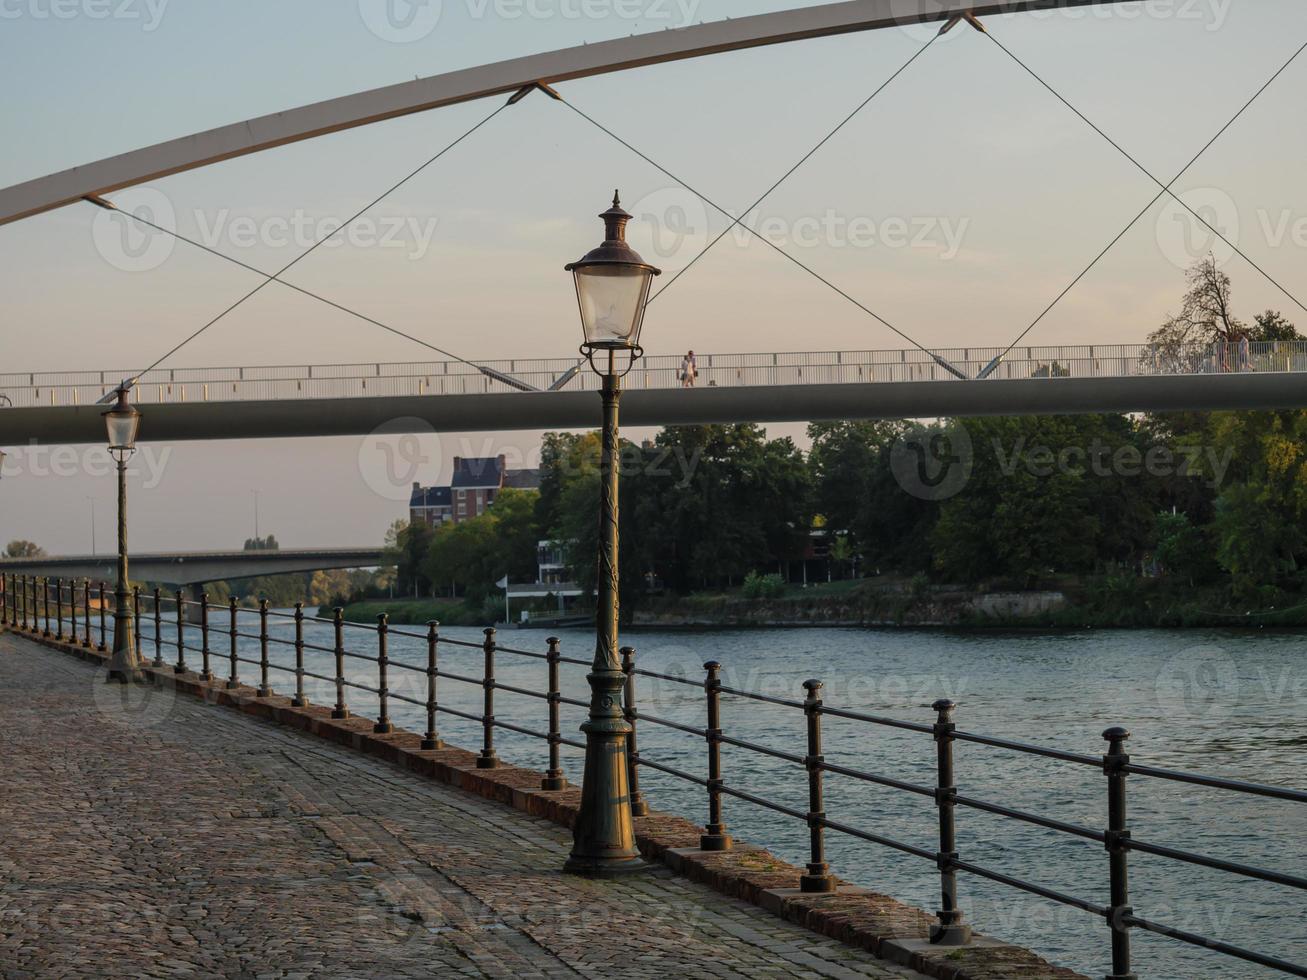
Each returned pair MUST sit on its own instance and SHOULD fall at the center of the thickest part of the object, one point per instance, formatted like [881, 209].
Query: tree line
[1211, 501]
[1201, 499]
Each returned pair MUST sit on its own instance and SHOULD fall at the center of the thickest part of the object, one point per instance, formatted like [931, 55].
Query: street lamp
[122, 422]
[612, 288]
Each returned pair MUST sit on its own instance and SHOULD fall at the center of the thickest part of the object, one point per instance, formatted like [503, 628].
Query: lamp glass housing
[612, 298]
[122, 424]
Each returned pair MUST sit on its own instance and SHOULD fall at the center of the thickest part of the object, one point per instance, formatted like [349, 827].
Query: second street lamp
[612, 288]
[122, 422]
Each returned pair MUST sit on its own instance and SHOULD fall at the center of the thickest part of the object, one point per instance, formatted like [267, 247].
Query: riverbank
[1108, 603]
[412, 612]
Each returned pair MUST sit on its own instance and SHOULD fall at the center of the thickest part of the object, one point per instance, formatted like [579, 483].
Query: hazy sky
[957, 205]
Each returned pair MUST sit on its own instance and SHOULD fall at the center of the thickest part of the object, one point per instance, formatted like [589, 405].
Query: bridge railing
[62, 610]
[437, 378]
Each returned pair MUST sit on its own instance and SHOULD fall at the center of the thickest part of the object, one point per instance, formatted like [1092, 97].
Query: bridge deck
[166, 836]
[329, 382]
[353, 399]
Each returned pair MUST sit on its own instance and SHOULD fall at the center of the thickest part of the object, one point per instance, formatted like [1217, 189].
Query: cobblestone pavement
[160, 836]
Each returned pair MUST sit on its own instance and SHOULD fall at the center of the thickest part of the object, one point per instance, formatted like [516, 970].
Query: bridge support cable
[770, 244]
[1166, 188]
[802, 160]
[275, 277]
[489, 372]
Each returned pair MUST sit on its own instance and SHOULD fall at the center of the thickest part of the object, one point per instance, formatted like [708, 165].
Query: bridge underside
[190, 571]
[527, 411]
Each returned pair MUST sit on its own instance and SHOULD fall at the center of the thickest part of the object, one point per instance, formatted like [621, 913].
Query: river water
[1219, 703]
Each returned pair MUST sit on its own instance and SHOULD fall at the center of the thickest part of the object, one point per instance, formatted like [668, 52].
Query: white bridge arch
[364, 108]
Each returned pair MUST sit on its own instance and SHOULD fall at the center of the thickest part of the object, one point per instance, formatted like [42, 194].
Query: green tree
[1183, 550]
[1254, 541]
[466, 556]
[23, 549]
[1271, 326]
[517, 533]
[1046, 494]
[410, 549]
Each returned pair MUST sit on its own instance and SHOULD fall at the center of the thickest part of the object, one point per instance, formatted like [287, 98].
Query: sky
[956, 205]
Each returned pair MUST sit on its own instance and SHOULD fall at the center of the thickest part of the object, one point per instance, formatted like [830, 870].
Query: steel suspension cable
[802, 160]
[275, 276]
[717, 207]
[290, 285]
[1165, 188]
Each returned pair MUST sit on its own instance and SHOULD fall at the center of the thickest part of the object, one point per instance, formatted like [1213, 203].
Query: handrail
[26, 601]
[452, 378]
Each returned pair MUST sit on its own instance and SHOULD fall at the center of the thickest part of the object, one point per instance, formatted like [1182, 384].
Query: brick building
[476, 483]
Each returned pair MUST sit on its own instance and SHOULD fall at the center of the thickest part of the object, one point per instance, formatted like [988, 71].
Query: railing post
[298, 701]
[158, 628]
[206, 671]
[553, 778]
[716, 839]
[22, 599]
[4, 600]
[431, 740]
[383, 725]
[104, 633]
[136, 615]
[59, 609]
[45, 604]
[487, 758]
[950, 930]
[180, 668]
[1114, 763]
[86, 613]
[639, 808]
[818, 879]
[338, 621]
[233, 678]
[264, 690]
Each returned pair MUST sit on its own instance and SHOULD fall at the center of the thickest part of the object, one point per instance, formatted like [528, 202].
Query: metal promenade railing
[75, 612]
[180, 385]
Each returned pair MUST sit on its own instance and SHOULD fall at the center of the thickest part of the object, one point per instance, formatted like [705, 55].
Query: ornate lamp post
[612, 288]
[122, 422]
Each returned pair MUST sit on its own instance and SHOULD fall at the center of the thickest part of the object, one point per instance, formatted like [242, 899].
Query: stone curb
[855, 916]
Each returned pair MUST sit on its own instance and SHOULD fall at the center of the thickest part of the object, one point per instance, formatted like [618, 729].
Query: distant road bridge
[191, 569]
[183, 404]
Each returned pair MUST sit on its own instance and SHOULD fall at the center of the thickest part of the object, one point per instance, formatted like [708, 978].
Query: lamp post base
[604, 835]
